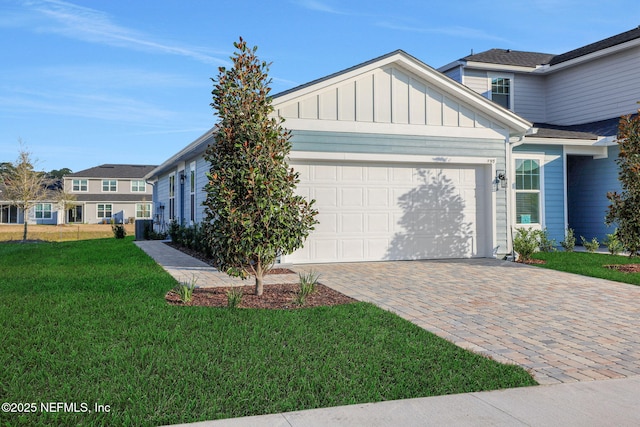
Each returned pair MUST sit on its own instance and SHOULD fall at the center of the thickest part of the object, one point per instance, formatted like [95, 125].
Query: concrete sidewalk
[593, 403]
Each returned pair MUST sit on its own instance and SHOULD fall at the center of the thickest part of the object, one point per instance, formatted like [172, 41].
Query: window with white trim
[105, 210]
[172, 197]
[138, 186]
[143, 210]
[501, 91]
[192, 184]
[43, 211]
[109, 185]
[528, 191]
[80, 185]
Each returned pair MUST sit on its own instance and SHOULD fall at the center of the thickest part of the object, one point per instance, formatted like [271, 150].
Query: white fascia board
[394, 129]
[452, 65]
[585, 147]
[563, 141]
[498, 68]
[388, 158]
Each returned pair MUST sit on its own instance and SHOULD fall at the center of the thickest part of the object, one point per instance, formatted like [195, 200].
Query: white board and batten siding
[390, 95]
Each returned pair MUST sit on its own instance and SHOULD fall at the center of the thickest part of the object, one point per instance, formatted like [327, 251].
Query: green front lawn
[588, 264]
[85, 323]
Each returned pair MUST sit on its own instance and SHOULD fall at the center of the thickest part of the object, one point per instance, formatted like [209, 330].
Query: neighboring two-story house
[408, 162]
[563, 169]
[109, 192]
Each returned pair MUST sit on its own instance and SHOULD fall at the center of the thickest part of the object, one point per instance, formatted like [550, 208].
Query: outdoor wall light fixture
[181, 177]
[501, 177]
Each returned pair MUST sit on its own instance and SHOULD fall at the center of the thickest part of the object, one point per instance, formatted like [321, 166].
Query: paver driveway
[562, 327]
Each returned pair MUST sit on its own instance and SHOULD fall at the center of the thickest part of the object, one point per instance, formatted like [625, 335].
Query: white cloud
[94, 26]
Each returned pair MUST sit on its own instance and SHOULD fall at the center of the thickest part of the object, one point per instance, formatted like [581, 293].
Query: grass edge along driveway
[86, 323]
[589, 264]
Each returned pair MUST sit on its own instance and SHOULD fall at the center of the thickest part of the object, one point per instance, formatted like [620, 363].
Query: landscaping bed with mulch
[625, 268]
[276, 296]
[280, 296]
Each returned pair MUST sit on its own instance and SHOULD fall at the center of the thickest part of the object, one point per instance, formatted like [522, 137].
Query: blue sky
[84, 83]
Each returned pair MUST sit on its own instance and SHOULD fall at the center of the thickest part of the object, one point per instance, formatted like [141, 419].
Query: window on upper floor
[138, 186]
[528, 191]
[110, 185]
[80, 185]
[501, 91]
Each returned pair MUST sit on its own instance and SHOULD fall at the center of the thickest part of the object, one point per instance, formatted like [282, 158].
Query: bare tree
[23, 185]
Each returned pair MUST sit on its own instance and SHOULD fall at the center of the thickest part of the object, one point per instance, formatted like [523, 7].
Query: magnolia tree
[252, 212]
[624, 210]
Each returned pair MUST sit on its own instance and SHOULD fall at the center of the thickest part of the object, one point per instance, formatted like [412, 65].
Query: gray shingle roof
[532, 59]
[511, 57]
[114, 171]
[599, 45]
[591, 130]
[113, 197]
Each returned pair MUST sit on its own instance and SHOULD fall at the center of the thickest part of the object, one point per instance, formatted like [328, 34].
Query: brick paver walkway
[562, 327]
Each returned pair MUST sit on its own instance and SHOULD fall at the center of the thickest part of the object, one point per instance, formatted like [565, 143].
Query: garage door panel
[353, 174]
[352, 196]
[327, 223]
[377, 223]
[377, 174]
[326, 196]
[377, 248]
[352, 250]
[352, 223]
[325, 173]
[378, 197]
[374, 211]
[325, 249]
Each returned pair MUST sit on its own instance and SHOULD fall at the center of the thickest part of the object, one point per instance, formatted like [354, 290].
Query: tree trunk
[259, 284]
[24, 234]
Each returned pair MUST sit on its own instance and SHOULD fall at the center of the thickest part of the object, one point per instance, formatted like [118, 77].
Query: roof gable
[394, 89]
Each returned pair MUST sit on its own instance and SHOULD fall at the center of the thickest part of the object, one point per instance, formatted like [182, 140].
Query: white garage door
[374, 211]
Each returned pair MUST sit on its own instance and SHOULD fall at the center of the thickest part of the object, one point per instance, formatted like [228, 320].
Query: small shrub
[591, 246]
[308, 285]
[119, 232]
[569, 242]
[234, 297]
[185, 290]
[613, 243]
[174, 230]
[546, 244]
[526, 242]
